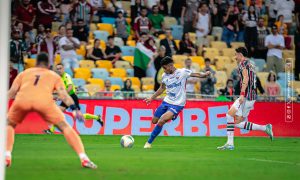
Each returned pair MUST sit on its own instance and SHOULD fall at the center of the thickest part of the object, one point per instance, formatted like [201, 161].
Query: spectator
[191, 81]
[26, 14]
[135, 11]
[128, 92]
[150, 44]
[228, 91]
[169, 44]
[187, 14]
[112, 51]
[202, 24]
[250, 20]
[262, 32]
[12, 74]
[208, 84]
[275, 44]
[81, 31]
[27, 43]
[176, 9]
[230, 25]
[96, 53]
[40, 33]
[271, 4]
[101, 9]
[61, 33]
[47, 45]
[17, 50]
[186, 46]
[68, 45]
[157, 21]
[218, 9]
[45, 13]
[150, 3]
[297, 53]
[157, 65]
[121, 26]
[142, 23]
[163, 7]
[241, 13]
[69, 25]
[285, 8]
[282, 29]
[115, 6]
[272, 87]
[65, 9]
[84, 11]
[107, 92]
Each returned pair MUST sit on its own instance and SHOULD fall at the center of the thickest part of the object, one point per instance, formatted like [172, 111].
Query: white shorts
[243, 109]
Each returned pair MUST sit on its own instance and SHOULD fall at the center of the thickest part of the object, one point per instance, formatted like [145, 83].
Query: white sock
[230, 129]
[83, 156]
[8, 154]
[250, 126]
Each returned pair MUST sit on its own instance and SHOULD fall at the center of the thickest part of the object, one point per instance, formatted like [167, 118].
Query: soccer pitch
[46, 157]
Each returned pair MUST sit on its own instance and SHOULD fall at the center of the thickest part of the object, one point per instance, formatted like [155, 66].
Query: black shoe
[100, 120]
[47, 131]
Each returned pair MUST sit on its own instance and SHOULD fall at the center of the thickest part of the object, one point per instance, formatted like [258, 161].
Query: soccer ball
[127, 141]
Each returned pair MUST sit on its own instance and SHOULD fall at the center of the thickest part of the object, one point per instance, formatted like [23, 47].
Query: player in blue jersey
[174, 81]
[245, 103]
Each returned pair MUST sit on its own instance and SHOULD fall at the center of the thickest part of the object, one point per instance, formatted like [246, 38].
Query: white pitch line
[273, 161]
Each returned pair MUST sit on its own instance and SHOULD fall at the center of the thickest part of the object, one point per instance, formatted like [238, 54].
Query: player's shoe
[88, 164]
[226, 147]
[269, 131]
[8, 161]
[147, 145]
[100, 121]
[47, 131]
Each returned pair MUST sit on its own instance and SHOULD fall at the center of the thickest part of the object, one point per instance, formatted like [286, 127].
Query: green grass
[43, 157]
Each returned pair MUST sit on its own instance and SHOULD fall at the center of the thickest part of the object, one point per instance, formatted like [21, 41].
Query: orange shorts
[49, 111]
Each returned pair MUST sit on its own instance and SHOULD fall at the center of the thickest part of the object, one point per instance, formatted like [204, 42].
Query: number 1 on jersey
[37, 78]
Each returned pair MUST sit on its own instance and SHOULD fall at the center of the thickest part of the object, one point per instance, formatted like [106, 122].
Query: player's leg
[230, 125]
[56, 117]
[243, 123]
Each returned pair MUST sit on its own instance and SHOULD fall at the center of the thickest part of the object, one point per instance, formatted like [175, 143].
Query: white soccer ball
[127, 141]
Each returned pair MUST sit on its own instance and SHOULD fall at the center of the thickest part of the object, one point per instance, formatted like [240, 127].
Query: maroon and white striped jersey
[250, 93]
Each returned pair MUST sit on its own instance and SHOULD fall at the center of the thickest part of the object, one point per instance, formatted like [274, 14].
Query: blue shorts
[164, 107]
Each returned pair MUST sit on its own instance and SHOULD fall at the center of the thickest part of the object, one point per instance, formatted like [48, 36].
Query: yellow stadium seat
[97, 81]
[229, 68]
[104, 64]
[218, 44]
[197, 59]
[106, 27]
[136, 88]
[123, 65]
[57, 59]
[179, 59]
[148, 87]
[87, 64]
[263, 76]
[169, 21]
[83, 73]
[135, 81]
[193, 37]
[177, 42]
[295, 85]
[91, 35]
[221, 77]
[147, 80]
[288, 54]
[118, 72]
[178, 66]
[93, 88]
[128, 20]
[115, 87]
[196, 67]
[81, 50]
[93, 27]
[29, 63]
[129, 59]
[236, 45]
[214, 51]
[162, 36]
[131, 43]
[230, 52]
[221, 61]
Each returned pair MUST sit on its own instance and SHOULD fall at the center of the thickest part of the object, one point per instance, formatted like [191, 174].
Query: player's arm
[161, 89]
[200, 74]
[244, 84]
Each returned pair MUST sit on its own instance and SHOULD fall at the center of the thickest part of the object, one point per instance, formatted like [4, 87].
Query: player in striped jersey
[245, 103]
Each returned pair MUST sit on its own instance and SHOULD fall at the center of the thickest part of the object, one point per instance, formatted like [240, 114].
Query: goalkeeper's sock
[154, 133]
[230, 129]
[88, 116]
[52, 128]
[250, 126]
